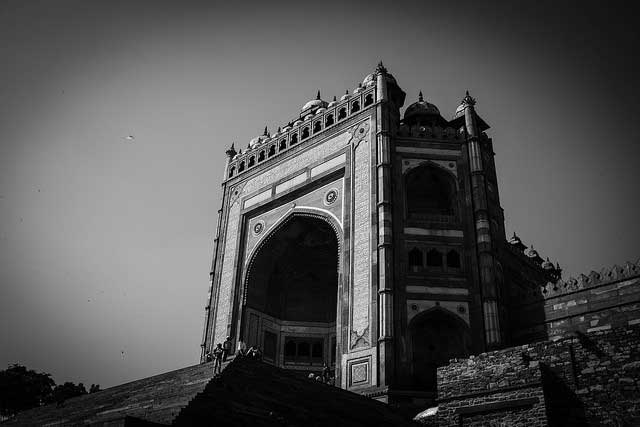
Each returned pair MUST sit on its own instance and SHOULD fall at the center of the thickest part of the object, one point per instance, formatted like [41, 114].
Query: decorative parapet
[593, 279]
[303, 129]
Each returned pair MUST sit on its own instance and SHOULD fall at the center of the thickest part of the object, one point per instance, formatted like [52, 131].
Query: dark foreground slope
[155, 400]
[250, 393]
[246, 393]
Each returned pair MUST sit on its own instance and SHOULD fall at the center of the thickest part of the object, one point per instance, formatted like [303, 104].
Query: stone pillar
[488, 285]
[385, 235]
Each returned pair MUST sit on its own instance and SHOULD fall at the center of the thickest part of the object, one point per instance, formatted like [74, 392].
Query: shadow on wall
[564, 408]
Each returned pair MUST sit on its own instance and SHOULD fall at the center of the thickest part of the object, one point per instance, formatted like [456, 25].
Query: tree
[67, 391]
[22, 389]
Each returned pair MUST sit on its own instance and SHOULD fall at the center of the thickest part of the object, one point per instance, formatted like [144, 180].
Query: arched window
[272, 150]
[261, 156]
[317, 126]
[434, 258]
[436, 336]
[232, 170]
[355, 106]
[329, 120]
[430, 191]
[294, 139]
[283, 144]
[453, 259]
[415, 259]
[241, 167]
[368, 100]
[252, 161]
[305, 133]
[342, 113]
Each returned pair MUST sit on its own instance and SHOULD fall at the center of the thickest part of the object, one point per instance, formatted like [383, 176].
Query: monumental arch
[367, 239]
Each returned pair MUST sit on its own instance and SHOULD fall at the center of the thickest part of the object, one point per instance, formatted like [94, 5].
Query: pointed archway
[291, 294]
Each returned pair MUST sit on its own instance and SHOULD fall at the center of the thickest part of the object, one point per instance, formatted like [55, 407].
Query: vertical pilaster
[489, 291]
[385, 234]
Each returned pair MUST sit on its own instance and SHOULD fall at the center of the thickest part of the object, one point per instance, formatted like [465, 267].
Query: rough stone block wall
[582, 379]
[599, 301]
[498, 388]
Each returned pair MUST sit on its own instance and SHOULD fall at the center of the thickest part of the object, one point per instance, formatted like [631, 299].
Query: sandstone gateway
[374, 241]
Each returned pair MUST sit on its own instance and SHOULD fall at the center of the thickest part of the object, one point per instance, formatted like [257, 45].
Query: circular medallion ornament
[258, 227]
[331, 196]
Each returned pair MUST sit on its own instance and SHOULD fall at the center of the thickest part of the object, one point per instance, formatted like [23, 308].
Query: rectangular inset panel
[433, 232]
[257, 198]
[428, 151]
[437, 290]
[328, 165]
[299, 179]
[359, 371]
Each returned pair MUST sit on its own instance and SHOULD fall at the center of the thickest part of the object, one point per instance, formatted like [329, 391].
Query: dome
[332, 103]
[531, 253]
[421, 109]
[547, 265]
[369, 80]
[257, 141]
[313, 104]
[358, 89]
[345, 96]
[466, 101]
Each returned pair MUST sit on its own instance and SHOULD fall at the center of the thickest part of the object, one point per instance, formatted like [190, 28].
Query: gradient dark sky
[105, 244]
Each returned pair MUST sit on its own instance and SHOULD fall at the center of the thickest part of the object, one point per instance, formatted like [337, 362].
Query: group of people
[222, 350]
[324, 377]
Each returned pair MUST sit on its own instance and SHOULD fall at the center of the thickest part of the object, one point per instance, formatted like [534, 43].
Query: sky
[106, 243]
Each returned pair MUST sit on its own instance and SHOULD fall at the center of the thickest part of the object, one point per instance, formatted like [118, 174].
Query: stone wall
[598, 301]
[583, 379]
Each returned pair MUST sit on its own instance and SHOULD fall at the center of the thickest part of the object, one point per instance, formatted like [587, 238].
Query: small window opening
[329, 120]
[368, 100]
[261, 156]
[355, 106]
[415, 259]
[317, 127]
[294, 139]
[252, 161]
[272, 150]
[453, 259]
[434, 258]
[305, 133]
[241, 167]
[283, 144]
[232, 170]
[342, 113]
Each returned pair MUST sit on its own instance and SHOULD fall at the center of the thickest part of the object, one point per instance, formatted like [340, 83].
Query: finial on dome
[346, 92]
[420, 98]
[334, 98]
[380, 69]
[279, 130]
[265, 133]
[318, 95]
[468, 100]
[231, 151]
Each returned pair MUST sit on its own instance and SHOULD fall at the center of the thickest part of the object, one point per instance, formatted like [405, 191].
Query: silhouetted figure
[326, 373]
[242, 348]
[226, 349]
[217, 357]
[254, 353]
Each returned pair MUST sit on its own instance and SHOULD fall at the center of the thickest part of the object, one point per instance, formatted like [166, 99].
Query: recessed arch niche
[291, 293]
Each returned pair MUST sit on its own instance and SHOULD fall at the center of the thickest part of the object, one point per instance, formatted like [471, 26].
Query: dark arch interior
[436, 337]
[292, 286]
[430, 191]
